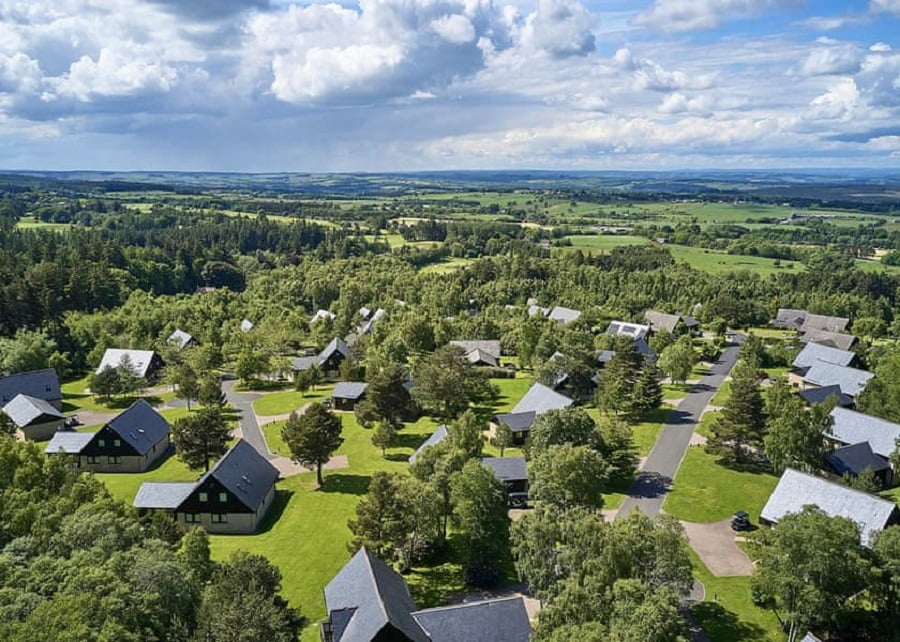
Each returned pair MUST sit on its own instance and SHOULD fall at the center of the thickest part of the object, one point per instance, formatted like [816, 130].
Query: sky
[406, 85]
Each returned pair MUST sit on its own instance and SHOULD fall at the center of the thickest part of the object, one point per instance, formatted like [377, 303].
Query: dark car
[740, 521]
[518, 500]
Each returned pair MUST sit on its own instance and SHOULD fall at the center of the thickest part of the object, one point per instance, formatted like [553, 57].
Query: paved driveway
[715, 544]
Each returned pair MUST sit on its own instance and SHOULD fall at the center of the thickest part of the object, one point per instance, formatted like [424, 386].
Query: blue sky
[380, 85]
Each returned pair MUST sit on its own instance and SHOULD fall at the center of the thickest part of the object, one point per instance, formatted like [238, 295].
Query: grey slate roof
[478, 356]
[70, 443]
[820, 395]
[246, 325]
[823, 322]
[367, 326]
[304, 363]
[168, 495]
[855, 459]
[140, 426]
[180, 339]
[796, 490]
[349, 390]
[789, 318]
[322, 315]
[623, 328]
[605, 356]
[814, 352]
[507, 468]
[25, 410]
[336, 345]
[491, 346]
[662, 321]
[809, 637]
[536, 310]
[833, 339]
[377, 596]
[436, 437]
[245, 473]
[41, 384]
[140, 360]
[517, 421]
[850, 380]
[564, 315]
[540, 399]
[851, 427]
[500, 620]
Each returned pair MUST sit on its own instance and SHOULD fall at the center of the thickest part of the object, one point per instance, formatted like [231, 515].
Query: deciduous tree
[313, 437]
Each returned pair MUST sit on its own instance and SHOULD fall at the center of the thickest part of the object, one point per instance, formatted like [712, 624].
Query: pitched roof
[623, 328]
[796, 490]
[323, 314]
[662, 321]
[140, 426]
[851, 380]
[41, 384]
[374, 596]
[540, 399]
[833, 339]
[245, 473]
[364, 312]
[855, 459]
[823, 322]
[70, 443]
[823, 394]
[180, 339]
[851, 427]
[436, 437]
[168, 495]
[535, 310]
[304, 363]
[491, 346]
[564, 315]
[643, 348]
[517, 421]
[480, 356]
[336, 345]
[814, 352]
[366, 326]
[140, 360]
[507, 468]
[25, 410]
[498, 620]
[246, 325]
[809, 637]
[789, 318]
[349, 390]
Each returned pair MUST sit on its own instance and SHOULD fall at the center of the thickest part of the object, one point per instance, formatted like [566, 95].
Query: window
[101, 442]
[93, 459]
[223, 497]
[204, 497]
[114, 459]
[192, 518]
[117, 442]
[219, 518]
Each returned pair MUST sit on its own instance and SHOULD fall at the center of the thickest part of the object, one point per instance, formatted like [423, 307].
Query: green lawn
[511, 391]
[675, 390]
[124, 486]
[604, 241]
[716, 262]
[272, 433]
[447, 265]
[645, 433]
[706, 491]
[722, 394]
[76, 398]
[285, 401]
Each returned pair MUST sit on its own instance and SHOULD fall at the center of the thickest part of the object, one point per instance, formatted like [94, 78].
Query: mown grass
[716, 262]
[604, 241]
[285, 401]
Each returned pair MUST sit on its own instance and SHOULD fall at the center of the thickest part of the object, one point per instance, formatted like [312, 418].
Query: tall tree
[383, 435]
[648, 394]
[567, 426]
[201, 437]
[742, 424]
[502, 437]
[446, 383]
[188, 387]
[679, 359]
[465, 435]
[313, 437]
[387, 398]
[795, 434]
[210, 391]
[105, 383]
[568, 476]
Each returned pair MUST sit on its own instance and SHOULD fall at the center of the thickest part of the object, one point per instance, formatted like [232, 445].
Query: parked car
[518, 500]
[740, 521]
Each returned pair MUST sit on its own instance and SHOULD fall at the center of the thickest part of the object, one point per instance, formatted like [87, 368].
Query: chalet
[830, 339]
[369, 324]
[322, 315]
[809, 637]
[233, 497]
[814, 353]
[145, 363]
[480, 353]
[804, 322]
[671, 323]
[181, 339]
[328, 360]
[813, 396]
[40, 384]
[796, 490]
[624, 329]
[850, 380]
[130, 443]
[538, 400]
[35, 419]
[247, 325]
[347, 394]
[437, 437]
[563, 315]
[513, 472]
[789, 319]
[640, 346]
[850, 428]
[856, 459]
[535, 310]
[368, 601]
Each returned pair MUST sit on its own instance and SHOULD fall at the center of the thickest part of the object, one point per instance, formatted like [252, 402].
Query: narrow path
[250, 431]
[648, 490]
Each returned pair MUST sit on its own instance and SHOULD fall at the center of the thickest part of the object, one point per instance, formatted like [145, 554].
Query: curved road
[648, 490]
[243, 402]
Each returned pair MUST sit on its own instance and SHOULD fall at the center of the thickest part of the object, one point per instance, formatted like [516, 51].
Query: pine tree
[648, 395]
[313, 437]
[383, 435]
[742, 424]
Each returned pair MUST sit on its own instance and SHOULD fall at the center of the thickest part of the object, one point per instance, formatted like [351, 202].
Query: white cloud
[455, 28]
[889, 6]
[561, 28]
[649, 75]
[114, 73]
[833, 58]
[839, 102]
[696, 15]
[879, 77]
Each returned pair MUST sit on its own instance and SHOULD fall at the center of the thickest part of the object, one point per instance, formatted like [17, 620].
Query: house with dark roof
[851, 381]
[851, 428]
[789, 319]
[796, 490]
[831, 339]
[181, 339]
[671, 323]
[640, 346]
[41, 384]
[368, 601]
[812, 396]
[437, 437]
[480, 353]
[824, 322]
[347, 394]
[856, 459]
[233, 497]
[328, 360]
[131, 442]
[519, 424]
[538, 400]
[145, 363]
[35, 419]
[513, 472]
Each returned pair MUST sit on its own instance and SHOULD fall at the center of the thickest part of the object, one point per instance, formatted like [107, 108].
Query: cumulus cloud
[832, 58]
[113, 73]
[839, 102]
[697, 15]
[879, 77]
[211, 9]
[888, 6]
[561, 28]
[649, 75]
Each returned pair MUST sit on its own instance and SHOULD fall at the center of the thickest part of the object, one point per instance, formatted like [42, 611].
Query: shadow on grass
[282, 498]
[407, 440]
[346, 484]
[720, 624]
[398, 457]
